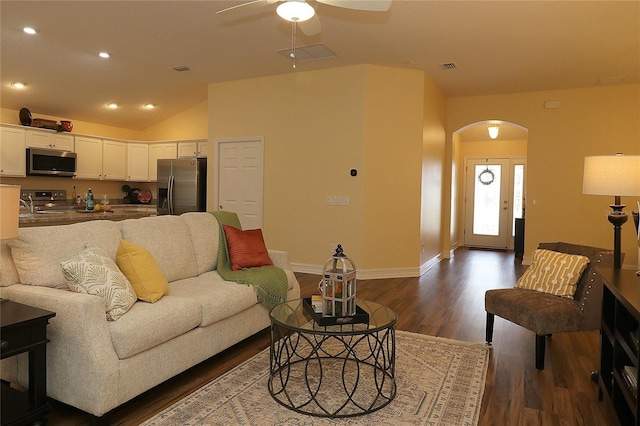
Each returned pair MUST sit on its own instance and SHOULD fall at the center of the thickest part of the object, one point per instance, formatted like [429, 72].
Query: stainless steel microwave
[50, 162]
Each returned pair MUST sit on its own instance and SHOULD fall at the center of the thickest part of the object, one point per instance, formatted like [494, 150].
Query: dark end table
[24, 329]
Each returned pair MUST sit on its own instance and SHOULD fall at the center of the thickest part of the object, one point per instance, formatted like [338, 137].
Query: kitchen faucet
[29, 206]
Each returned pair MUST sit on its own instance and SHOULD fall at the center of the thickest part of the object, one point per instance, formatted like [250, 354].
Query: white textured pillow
[554, 273]
[93, 272]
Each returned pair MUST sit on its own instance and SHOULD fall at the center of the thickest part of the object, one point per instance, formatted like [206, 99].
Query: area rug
[439, 382]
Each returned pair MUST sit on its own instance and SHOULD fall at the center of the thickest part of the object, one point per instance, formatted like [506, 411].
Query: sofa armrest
[82, 366]
[280, 258]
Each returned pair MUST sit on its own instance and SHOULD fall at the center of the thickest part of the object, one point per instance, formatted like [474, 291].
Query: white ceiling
[498, 47]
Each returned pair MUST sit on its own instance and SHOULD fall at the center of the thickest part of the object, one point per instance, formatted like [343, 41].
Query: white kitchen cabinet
[63, 141]
[114, 160]
[12, 152]
[192, 149]
[89, 158]
[137, 162]
[49, 139]
[203, 148]
[159, 151]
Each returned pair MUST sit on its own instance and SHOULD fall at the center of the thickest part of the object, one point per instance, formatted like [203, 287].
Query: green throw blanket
[269, 282]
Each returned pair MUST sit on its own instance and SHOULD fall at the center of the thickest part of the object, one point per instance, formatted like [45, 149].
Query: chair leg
[540, 343]
[489, 330]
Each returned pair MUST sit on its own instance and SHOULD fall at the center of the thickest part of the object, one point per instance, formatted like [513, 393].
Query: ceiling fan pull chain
[293, 42]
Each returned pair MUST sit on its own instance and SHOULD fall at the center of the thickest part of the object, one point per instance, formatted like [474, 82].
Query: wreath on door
[486, 177]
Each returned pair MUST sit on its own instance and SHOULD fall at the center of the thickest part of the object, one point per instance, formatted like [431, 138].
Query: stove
[46, 199]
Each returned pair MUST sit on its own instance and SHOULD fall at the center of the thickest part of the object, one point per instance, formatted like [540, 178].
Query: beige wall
[191, 123]
[590, 121]
[433, 179]
[317, 126]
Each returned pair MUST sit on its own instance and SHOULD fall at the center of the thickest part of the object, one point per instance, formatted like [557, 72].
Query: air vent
[181, 68]
[312, 52]
[448, 66]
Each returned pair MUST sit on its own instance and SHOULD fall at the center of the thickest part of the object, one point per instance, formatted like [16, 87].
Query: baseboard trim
[372, 274]
[426, 267]
[368, 274]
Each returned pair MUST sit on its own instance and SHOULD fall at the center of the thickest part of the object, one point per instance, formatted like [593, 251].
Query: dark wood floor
[447, 301]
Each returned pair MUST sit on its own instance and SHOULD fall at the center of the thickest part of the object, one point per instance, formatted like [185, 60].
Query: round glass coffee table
[336, 370]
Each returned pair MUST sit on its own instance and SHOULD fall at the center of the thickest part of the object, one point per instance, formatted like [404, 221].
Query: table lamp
[9, 211]
[617, 175]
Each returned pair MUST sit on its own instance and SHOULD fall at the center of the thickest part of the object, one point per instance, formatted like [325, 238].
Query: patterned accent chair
[545, 314]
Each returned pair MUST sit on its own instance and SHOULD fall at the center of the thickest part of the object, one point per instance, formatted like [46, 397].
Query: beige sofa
[96, 365]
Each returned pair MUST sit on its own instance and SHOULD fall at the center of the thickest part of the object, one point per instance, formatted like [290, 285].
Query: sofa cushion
[203, 228]
[246, 248]
[167, 239]
[218, 299]
[38, 251]
[142, 271]
[93, 272]
[148, 325]
[553, 273]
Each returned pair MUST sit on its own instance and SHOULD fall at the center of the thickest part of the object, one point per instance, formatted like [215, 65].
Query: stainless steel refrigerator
[182, 185]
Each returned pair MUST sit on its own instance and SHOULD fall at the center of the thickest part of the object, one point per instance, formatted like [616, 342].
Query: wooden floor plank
[447, 301]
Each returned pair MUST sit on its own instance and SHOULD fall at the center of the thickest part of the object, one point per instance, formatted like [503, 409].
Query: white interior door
[487, 210]
[240, 179]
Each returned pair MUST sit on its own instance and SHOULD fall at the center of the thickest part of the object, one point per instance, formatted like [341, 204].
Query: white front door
[240, 180]
[487, 203]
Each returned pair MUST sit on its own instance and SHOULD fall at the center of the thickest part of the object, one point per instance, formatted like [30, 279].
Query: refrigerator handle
[170, 194]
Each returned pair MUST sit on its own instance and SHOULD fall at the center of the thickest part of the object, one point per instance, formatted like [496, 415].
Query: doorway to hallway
[493, 199]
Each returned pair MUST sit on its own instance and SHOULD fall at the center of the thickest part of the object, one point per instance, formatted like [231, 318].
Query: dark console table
[24, 329]
[518, 240]
[619, 343]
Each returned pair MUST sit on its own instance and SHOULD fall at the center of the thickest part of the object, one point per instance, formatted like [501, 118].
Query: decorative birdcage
[338, 286]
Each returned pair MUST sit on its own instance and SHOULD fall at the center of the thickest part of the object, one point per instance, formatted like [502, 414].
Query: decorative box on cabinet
[619, 348]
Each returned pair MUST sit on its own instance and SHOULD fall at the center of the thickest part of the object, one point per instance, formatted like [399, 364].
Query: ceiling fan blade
[249, 5]
[311, 26]
[369, 5]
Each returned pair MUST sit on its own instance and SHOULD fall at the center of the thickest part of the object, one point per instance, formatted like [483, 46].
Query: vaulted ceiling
[496, 47]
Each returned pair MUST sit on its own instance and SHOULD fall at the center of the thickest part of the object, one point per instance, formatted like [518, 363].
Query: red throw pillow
[246, 248]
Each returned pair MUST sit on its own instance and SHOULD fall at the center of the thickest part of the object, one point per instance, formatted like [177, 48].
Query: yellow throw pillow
[554, 273]
[142, 271]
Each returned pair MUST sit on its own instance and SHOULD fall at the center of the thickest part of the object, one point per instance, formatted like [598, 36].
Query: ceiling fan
[299, 11]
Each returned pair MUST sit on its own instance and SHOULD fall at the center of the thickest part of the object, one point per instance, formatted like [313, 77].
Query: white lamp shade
[615, 175]
[295, 11]
[9, 211]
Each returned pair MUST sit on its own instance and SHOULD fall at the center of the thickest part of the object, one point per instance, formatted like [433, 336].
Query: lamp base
[617, 218]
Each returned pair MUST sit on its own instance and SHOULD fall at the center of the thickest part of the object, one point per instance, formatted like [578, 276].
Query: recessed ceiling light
[18, 85]
[149, 106]
[104, 55]
[29, 30]
[112, 106]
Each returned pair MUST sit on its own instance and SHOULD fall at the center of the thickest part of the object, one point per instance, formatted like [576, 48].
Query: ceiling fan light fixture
[295, 11]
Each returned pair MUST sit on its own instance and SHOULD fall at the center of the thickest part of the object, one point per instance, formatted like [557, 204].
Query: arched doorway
[491, 183]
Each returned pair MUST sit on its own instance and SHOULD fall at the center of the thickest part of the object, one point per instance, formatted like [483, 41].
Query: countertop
[64, 217]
